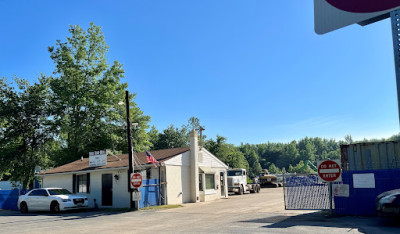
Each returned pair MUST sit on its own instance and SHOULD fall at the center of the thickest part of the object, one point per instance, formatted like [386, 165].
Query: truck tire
[240, 190]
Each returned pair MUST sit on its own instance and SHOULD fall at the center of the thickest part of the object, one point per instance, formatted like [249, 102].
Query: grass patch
[161, 207]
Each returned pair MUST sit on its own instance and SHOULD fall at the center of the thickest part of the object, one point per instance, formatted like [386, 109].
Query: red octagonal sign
[330, 171]
[136, 180]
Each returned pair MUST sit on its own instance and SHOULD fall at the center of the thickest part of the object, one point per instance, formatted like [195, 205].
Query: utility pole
[129, 135]
[395, 19]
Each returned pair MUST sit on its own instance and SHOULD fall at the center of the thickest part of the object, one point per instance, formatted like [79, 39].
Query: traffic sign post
[329, 171]
[136, 180]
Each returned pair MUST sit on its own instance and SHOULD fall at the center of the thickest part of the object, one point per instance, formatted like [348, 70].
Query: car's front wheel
[55, 207]
[23, 207]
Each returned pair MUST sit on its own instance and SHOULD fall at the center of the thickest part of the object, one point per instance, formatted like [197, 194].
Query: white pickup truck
[237, 182]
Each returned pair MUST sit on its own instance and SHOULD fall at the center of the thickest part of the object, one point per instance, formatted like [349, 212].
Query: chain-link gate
[304, 192]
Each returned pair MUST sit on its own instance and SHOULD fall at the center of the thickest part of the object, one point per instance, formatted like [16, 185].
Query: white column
[194, 167]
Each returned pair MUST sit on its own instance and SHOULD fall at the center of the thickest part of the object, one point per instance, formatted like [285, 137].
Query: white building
[190, 174]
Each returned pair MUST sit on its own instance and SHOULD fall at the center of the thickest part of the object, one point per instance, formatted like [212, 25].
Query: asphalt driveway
[250, 213]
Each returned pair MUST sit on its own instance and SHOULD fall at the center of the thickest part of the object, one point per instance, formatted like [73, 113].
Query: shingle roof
[116, 161]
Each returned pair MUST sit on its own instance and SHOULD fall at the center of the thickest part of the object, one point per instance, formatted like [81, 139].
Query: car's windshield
[59, 192]
[234, 173]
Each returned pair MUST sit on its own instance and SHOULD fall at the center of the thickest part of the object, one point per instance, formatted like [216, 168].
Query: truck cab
[237, 180]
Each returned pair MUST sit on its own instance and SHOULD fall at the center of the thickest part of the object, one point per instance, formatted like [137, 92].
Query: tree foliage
[86, 92]
[227, 153]
[172, 137]
[65, 116]
[24, 131]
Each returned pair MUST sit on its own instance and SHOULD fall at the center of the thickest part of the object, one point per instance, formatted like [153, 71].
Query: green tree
[272, 169]
[172, 138]
[24, 132]
[227, 153]
[86, 91]
[307, 149]
[289, 155]
[193, 123]
[153, 136]
[348, 139]
[300, 168]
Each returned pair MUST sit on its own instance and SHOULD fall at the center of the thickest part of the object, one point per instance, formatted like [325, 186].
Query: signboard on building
[329, 171]
[98, 158]
[136, 195]
[365, 180]
[341, 190]
[136, 180]
[330, 15]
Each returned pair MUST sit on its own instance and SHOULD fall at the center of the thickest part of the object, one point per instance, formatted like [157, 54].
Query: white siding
[120, 186]
[178, 177]
[58, 181]
[210, 160]
[179, 160]
[178, 187]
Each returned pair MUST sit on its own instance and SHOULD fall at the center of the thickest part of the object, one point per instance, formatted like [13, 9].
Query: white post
[194, 167]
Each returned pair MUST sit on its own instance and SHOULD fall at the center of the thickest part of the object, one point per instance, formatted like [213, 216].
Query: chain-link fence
[304, 192]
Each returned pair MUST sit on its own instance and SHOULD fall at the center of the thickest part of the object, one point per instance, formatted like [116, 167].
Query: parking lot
[263, 212]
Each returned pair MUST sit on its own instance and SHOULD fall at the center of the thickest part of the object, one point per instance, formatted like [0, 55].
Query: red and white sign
[136, 180]
[330, 15]
[329, 171]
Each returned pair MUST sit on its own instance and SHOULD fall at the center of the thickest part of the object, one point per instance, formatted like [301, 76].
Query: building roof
[116, 161]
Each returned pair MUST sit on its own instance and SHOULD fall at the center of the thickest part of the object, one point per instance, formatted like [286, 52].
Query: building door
[222, 182]
[106, 191]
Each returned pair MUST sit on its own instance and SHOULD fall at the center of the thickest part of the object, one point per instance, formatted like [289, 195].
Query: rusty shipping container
[371, 155]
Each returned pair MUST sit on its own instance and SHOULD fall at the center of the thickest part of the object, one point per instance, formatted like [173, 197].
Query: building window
[200, 182]
[81, 183]
[210, 181]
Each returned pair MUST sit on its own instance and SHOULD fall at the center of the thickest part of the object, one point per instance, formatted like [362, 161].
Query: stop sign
[136, 180]
[329, 171]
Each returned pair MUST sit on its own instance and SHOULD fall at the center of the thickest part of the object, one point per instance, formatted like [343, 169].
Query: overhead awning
[207, 169]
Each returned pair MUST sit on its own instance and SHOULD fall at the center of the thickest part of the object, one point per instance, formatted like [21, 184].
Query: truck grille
[230, 181]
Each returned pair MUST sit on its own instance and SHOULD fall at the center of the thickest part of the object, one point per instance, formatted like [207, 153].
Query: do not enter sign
[136, 180]
[329, 171]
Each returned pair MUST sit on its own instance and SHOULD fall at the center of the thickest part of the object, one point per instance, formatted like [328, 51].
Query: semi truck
[237, 182]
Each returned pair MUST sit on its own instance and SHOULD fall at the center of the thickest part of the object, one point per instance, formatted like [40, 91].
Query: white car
[53, 199]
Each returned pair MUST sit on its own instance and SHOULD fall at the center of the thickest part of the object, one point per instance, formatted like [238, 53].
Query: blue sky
[252, 71]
